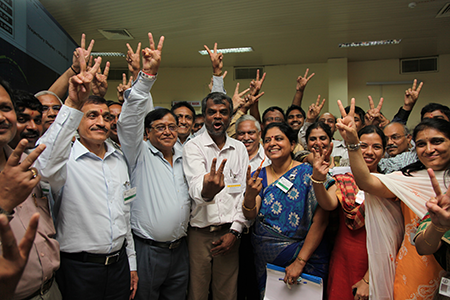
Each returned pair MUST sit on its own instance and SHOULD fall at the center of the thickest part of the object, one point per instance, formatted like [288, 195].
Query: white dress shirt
[90, 211]
[226, 206]
[161, 209]
[260, 156]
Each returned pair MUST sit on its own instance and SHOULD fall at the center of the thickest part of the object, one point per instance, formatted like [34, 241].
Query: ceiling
[280, 32]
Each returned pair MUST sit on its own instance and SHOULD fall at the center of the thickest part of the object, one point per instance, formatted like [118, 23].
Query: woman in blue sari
[289, 225]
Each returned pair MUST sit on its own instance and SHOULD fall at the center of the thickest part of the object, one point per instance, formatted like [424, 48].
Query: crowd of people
[119, 199]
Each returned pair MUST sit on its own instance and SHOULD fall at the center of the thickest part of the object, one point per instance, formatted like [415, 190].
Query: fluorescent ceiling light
[370, 43]
[229, 50]
[116, 54]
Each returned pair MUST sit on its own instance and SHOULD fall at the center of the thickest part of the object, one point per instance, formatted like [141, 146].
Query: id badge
[284, 184]
[360, 197]
[129, 194]
[444, 287]
[235, 187]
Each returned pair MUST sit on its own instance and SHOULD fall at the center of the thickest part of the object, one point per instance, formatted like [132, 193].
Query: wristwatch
[237, 234]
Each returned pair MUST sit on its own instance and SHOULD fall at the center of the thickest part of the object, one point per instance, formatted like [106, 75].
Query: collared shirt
[226, 206]
[161, 209]
[340, 154]
[396, 163]
[302, 134]
[44, 255]
[89, 191]
[260, 156]
[179, 144]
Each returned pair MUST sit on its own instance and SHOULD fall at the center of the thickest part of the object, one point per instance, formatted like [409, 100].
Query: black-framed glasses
[161, 128]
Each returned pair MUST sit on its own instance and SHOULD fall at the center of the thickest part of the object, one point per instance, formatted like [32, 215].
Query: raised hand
[99, 84]
[122, 87]
[411, 96]
[86, 53]
[372, 116]
[321, 162]
[249, 101]
[79, 85]
[255, 85]
[134, 60]
[14, 258]
[216, 60]
[18, 179]
[238, 98]
[213, 182]
[302, 81]
[151, 57]
[346, 125]
[254, 183]
[314, 110]
[439, 206]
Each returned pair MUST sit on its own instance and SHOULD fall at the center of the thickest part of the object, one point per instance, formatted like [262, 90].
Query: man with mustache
[51, 104]
[248, 131]
[186, 117]
[91, 187]
[398, 138]
[216, 220]
[29, 119]
[115, 108]
[20, 206]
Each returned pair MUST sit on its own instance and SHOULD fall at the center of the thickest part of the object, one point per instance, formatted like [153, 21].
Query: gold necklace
[275, 175]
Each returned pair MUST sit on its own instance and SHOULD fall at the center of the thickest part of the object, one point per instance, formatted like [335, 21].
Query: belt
[45, 287]
[169, 245]
[104, 259]
[214, 228]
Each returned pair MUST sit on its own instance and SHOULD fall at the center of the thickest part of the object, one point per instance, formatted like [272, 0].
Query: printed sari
[283, 223]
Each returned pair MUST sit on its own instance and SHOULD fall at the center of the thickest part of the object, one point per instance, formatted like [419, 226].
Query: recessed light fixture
[116, 54]
[370, 43]
[229, 50]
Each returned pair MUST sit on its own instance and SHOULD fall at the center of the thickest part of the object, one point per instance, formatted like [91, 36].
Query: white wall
[175, 84]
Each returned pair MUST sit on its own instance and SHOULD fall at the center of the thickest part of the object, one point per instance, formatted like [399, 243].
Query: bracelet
[366, 281]
[246, 208]
[424, 238]
[301, 259]
[354, 147]
[439, 229]
[317, 181]
[76, 73]
[147, 75]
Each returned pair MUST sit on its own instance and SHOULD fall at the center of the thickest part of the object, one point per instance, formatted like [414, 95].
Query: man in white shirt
[89, 181]
[160, 213]
[248, 131]
[217, 220]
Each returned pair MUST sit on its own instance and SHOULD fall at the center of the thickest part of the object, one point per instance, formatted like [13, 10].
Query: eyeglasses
[395, 137]
[161, 128]
[271, 119]
[46, 108]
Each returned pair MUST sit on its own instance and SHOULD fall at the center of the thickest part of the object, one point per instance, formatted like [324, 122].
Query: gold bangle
[301, 259]
[317, 181]
[439, 229]
[246, 208]
[366, 281]
[424, 238]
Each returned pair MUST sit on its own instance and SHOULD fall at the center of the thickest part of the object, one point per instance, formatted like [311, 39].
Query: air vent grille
[417, 65]
[247, 73]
